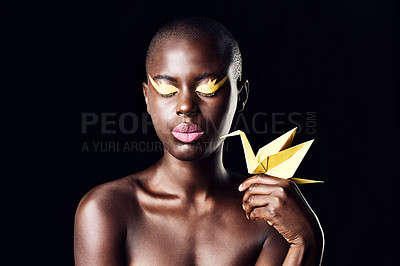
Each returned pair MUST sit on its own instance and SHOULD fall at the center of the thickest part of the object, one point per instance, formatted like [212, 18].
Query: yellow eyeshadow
[211, 87]
[163, 88]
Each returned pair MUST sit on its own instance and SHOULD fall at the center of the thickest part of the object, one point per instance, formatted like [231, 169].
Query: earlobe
[145, 90]
[243, 95]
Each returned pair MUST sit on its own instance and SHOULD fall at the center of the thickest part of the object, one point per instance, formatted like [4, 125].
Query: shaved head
[195, 29]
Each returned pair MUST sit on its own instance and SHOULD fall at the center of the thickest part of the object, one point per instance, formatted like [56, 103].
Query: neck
[191, 178]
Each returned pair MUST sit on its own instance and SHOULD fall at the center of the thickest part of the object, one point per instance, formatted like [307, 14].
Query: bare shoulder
[101, 221]
[107, 199]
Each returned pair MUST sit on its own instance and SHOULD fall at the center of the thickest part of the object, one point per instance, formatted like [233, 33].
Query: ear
[243, 94]
[145, 91]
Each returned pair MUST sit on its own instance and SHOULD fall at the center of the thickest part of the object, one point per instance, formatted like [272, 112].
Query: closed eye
[165, 90]
[210, 88]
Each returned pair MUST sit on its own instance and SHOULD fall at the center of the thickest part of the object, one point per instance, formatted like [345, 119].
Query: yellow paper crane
[276, 158]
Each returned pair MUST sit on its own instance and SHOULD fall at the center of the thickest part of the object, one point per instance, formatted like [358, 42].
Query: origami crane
[276, 158]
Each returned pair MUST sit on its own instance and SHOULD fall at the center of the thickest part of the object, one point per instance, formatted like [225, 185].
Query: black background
[336, 59]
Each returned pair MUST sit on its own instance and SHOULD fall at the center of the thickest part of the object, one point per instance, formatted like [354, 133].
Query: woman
[186, 209]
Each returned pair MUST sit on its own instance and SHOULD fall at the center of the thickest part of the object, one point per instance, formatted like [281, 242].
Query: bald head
[199, 29]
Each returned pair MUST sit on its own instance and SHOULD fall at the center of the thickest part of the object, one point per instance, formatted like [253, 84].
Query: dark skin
[187, 209]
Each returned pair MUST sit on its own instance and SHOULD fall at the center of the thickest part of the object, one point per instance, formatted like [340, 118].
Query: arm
[99, 235]
[279, 202]
[309, 248]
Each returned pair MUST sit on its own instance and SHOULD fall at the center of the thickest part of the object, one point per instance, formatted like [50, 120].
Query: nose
[186, 105]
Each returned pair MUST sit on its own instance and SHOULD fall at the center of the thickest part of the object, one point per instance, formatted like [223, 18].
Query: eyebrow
[165, 77]
[206, 75]
[198, 78]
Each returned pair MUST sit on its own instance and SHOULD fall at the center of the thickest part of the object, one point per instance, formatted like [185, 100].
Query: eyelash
[168, 95]
[199, 93]
[206, 94]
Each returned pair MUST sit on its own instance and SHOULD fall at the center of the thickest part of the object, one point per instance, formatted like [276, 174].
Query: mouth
[187, 132]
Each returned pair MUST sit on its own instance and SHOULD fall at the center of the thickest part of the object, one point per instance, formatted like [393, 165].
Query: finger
[274, 202]
[263, 179]
[260, 213]
[273, 193]
[259, 189]
[254, 201]
[265, 213]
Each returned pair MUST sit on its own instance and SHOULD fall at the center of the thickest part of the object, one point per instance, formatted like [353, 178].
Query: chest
[218, 238]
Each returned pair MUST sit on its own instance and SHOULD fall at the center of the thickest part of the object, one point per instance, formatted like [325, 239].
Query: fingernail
[243, 207]
[248, 218]
[240, 187]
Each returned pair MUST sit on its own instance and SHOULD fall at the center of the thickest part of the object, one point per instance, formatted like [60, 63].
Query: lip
[187, 132]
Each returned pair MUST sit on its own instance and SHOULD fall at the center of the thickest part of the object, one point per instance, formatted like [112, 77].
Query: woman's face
[190, 102]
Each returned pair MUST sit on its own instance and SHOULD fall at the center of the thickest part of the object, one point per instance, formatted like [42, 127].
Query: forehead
[183, 57]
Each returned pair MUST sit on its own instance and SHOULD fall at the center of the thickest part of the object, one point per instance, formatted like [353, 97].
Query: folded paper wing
[276, 158]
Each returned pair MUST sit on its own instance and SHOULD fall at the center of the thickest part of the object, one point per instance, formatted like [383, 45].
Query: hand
[279, 202]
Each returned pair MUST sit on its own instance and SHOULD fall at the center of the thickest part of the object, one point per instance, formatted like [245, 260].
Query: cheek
[220, 113]
[161, 113]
